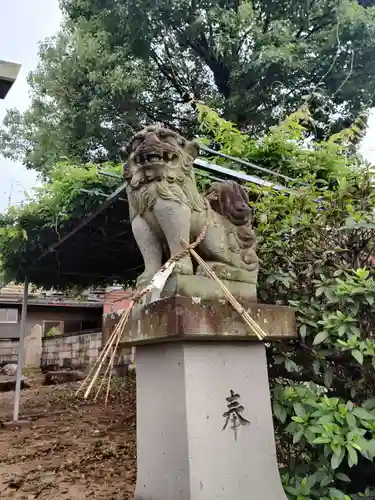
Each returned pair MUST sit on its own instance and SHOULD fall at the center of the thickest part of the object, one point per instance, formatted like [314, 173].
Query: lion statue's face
[158, 154]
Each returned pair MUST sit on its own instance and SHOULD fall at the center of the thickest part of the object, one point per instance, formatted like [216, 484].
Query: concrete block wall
[8, 351]
[71, 350]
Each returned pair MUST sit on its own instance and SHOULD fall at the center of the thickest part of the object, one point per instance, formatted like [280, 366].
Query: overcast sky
[23, 23]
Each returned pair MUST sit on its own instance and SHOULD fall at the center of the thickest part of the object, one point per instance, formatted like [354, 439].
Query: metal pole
[17, 394]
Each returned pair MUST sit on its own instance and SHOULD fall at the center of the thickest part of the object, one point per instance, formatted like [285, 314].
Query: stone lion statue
[166, 208]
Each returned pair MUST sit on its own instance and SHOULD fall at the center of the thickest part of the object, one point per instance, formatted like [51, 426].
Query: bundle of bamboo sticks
[110, 350]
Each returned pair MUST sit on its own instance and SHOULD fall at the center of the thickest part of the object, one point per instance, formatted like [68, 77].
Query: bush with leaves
[316, 245]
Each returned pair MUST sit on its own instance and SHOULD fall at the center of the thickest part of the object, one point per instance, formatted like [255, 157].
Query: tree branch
[201, 46]
[171, 76]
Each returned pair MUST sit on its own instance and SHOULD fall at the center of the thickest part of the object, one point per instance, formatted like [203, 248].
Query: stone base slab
[183, 318]
[207, 288]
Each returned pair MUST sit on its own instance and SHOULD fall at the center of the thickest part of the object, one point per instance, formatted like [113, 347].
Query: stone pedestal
[204, 421]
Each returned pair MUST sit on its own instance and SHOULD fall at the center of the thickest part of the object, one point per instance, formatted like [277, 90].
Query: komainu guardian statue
[167, 209]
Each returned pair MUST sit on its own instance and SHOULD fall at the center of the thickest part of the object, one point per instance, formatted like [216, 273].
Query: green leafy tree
[116, 65]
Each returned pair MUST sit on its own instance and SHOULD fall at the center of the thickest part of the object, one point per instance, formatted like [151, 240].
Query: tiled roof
[12, 294]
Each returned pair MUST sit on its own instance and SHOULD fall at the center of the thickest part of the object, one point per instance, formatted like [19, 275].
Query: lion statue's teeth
[153, 158]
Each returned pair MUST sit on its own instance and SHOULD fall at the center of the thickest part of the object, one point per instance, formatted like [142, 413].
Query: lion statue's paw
[184, 266]
[144, 280]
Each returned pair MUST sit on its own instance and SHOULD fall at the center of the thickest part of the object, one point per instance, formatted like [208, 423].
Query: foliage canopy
[75, 190]
[116, 65]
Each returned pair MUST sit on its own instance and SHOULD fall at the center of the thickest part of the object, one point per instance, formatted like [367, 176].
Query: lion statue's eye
[181, 141]
[136, 143]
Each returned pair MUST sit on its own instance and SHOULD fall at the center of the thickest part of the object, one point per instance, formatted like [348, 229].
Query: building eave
[8, 75]
[6, 301]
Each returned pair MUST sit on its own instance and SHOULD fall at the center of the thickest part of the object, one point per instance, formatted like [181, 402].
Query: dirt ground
[74, 451]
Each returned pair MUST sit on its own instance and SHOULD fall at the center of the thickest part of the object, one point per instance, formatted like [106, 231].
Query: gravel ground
[71, 450]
